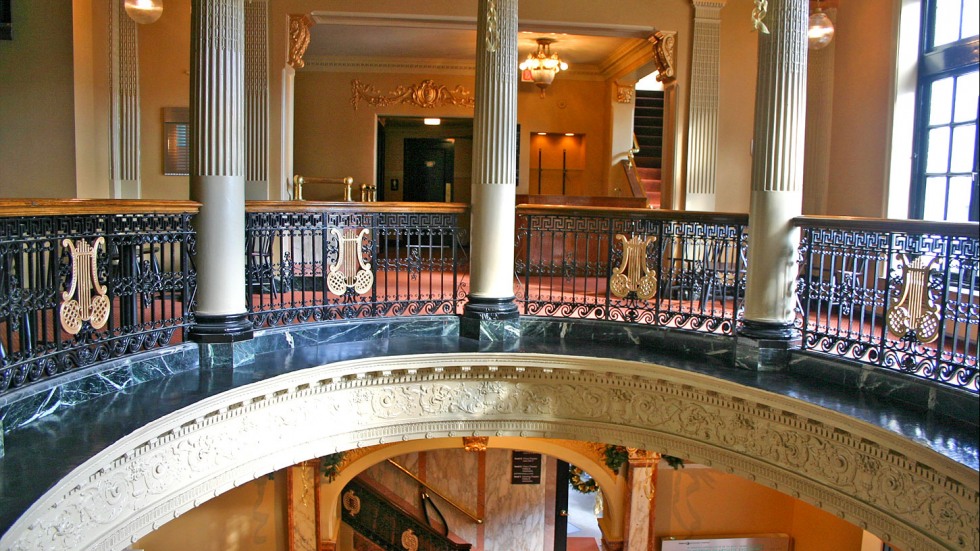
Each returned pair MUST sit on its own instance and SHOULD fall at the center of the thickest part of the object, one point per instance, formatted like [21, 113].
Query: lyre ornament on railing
[410, 541]
[350, 271]
[915, 310]
[351, 503]
[84, 279]
[633, 275]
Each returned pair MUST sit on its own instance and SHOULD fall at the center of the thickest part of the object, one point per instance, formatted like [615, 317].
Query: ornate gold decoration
[475, 443]
[350, 271]
[351, 503]
[84, 280]
[299, 39]
[915, 310]
[410, 541]
[493, 27]
[758, 14]
[638, 278]
[426, 94]
[664, 55]
[624, 93]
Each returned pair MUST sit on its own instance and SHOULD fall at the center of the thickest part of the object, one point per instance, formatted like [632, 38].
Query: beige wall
[164, 52]
[37, 117]
[705, 502]
[248, 518]
[863, 74]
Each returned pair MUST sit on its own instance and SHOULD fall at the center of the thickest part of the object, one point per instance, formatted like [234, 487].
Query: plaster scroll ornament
[299, 39]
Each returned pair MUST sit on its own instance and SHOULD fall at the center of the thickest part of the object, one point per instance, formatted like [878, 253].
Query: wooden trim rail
[61, 207]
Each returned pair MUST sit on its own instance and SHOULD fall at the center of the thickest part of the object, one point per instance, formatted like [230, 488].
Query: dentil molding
[905, 493]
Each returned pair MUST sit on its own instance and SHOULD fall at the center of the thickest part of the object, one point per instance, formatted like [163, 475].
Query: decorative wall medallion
[624, 93]
[475, 443]
[633, 275]
[914, 310]
[351, 503]
[350, 271]
[299, 39]
[410, 541]
[84, 280]
[426, 94]
[664, 55]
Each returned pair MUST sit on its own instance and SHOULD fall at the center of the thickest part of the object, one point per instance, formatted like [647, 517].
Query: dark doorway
[561, 506]
[428, 170]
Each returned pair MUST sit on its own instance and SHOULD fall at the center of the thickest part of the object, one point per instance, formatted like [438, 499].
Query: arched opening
[873, 478]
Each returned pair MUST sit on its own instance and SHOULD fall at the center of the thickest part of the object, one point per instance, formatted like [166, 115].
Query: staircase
[648, 127]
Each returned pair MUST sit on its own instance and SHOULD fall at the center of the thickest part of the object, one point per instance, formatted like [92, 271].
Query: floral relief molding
[426, 94]
[901, 491]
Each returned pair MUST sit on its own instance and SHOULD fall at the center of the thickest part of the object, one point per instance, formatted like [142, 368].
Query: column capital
[708, 9]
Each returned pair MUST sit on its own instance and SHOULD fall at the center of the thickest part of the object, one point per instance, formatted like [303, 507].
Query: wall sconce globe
[144, 12]
[820, 31]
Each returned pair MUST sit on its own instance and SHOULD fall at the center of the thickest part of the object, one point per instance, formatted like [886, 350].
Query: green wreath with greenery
[581, 481]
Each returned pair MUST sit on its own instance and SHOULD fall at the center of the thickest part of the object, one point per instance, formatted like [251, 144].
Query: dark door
[428, 170]
[561, 506]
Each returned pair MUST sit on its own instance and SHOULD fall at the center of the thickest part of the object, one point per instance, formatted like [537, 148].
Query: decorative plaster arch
[903, 492]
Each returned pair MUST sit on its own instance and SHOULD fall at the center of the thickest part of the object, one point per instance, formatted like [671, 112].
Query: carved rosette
[426, 94]
[881, 481]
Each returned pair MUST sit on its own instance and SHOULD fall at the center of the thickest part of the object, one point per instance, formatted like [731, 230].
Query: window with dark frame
[945, 183]
[176, 144]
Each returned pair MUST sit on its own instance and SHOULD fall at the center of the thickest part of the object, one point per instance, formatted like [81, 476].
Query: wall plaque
[525, 468]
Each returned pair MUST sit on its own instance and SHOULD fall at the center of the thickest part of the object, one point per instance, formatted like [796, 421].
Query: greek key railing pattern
[343, 262]
[387, 525]
[137, 265]
[900, 295]
[686, 270]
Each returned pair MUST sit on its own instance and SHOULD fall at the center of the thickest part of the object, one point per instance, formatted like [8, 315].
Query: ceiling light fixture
[144, 12]
[432, 121]
[821, 29]
[542, 65]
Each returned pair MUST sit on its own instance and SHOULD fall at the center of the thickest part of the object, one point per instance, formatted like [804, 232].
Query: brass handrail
[347, 182]
[436, 492]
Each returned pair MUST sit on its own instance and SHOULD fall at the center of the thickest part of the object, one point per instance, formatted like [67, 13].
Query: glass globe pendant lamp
[144, 11]
[820, 31]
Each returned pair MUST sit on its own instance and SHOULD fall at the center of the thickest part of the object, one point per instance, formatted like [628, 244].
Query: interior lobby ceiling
[340, 39]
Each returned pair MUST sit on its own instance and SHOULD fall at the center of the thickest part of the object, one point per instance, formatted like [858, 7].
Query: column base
[492, 321]
[764, 346]
[217, 336]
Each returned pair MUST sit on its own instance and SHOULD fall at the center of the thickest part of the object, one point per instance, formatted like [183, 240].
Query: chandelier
[820, 30]
[543, 65]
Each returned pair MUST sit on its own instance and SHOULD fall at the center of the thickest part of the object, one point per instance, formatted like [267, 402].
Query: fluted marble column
[490, 311]
[218, 168]
[124, 151]
[257, 100]
[777, 172]
[702, 139]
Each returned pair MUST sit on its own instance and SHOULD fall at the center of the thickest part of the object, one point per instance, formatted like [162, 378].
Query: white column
[642, 479]
[124, 127]
[257, 100]
[777, 172]
[702, 146]
[494, 164]
[218, 167]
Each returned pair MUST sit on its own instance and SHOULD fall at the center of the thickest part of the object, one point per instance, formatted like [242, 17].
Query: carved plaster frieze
[897, 489]
[425, 94]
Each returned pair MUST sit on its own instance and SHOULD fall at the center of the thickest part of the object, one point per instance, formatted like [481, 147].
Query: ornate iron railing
[667, 268]
[86, 281]
[389, 526]
[321, 261]
[899, 294]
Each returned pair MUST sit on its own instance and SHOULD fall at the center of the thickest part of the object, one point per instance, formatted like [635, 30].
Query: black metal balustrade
[388, 526]
[903, 295]
[84, 281]
[668, 268]
[310, 262]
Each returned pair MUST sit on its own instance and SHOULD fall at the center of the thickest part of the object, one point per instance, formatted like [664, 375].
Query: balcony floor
[43, 451]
